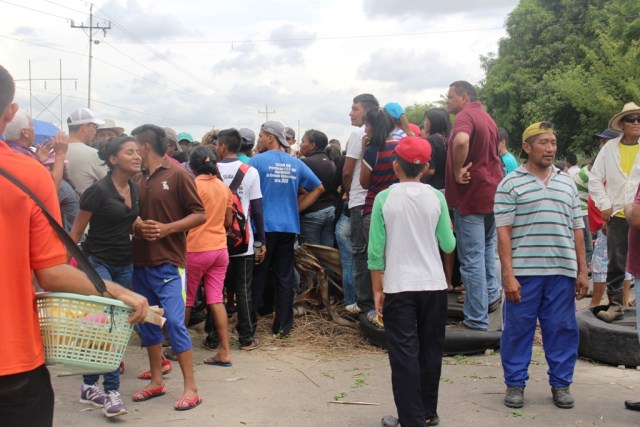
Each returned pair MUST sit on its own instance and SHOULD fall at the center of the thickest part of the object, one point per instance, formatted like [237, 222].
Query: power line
[300, 39]
[109, 64]
[184, 88]
[173, 64]
[121, 108]
[36, 10]
[66, 7]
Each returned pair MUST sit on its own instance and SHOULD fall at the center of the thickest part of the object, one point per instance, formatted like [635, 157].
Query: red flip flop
[166, 368]
[185, 403]
[148, 393]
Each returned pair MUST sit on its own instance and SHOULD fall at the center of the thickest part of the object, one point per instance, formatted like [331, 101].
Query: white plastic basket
[83, 334]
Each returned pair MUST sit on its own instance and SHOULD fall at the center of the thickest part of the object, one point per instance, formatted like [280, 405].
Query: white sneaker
[353, 308]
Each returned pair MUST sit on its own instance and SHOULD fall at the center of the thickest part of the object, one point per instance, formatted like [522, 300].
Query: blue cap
[394, 109]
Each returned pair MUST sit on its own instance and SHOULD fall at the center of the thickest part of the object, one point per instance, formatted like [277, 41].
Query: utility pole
[91, 27]
[266, 112]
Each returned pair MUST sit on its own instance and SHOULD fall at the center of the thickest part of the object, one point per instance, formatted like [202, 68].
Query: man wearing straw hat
[29, 245]
[105, 132]
[617, 165]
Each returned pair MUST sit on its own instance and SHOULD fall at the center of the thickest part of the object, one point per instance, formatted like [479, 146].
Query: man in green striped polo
[541, 248]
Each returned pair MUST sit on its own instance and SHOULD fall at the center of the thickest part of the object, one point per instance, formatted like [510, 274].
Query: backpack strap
[239, 176]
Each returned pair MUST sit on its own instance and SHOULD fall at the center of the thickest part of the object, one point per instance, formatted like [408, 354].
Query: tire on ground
[613, 343]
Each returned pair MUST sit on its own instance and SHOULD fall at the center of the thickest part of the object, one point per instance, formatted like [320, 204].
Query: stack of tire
[458, 340]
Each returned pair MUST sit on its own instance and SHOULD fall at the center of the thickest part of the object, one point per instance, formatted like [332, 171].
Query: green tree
[571, 62]
[415, 112]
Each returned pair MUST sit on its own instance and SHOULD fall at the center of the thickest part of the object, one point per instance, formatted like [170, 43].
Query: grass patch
[340, 396]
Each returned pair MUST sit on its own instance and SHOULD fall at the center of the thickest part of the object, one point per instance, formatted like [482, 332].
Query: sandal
[213, 360]
[166, 368]
[148, 393]
[168, 354]
[460, 299]
[255, 343]
[185, 403]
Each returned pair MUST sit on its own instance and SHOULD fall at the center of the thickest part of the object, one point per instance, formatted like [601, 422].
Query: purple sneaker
[91, 395]
[113, 405]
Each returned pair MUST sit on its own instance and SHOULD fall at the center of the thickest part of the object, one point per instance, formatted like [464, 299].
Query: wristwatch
[257, 244]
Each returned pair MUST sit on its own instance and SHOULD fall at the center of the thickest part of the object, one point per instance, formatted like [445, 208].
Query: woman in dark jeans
[437, 126]
[316, 223]
[110, 208]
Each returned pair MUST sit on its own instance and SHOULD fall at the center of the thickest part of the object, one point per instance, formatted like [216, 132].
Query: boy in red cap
[410, 220]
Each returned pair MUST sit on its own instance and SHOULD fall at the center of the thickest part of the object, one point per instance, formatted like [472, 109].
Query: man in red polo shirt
[29, 245]
[473, 172]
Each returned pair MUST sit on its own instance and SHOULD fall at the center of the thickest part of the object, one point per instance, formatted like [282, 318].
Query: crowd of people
[404, 204]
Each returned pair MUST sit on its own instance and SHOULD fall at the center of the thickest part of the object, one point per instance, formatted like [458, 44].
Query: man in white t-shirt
[356, 194]
[84, 167]
[240, 270]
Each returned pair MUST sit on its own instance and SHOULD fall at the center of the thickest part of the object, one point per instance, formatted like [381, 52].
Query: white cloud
[305, 61]
[407, 70]
[432, 8]
[142, 22]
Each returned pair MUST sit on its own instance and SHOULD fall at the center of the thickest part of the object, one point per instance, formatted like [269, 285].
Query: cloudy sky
[176, 64]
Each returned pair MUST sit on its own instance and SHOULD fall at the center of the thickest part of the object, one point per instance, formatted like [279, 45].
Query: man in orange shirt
[29, 245]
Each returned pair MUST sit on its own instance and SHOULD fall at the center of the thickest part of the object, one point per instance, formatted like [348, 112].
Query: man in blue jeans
[473, 171]
[356, 195]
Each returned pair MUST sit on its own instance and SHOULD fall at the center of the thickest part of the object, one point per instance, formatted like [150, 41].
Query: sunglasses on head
[631, 119]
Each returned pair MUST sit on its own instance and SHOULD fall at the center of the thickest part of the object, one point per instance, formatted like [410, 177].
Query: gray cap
[276, 129]
[248, 136]
[172, 136]
[289, 132]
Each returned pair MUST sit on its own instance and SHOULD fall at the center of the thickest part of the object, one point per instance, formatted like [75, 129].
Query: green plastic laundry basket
[83, 334]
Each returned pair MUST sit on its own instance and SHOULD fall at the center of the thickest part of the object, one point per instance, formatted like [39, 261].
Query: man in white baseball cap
[84, 167]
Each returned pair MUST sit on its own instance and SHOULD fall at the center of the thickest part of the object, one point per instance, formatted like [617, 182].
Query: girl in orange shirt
[207, 255]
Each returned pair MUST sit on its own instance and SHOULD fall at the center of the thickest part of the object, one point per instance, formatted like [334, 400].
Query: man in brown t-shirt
[473, 172]
[169, 206]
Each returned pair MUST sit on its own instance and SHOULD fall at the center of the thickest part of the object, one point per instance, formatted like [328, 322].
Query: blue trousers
[122, 276]
[552, 300]
[343, 237]
[316, 228]
[476, 237]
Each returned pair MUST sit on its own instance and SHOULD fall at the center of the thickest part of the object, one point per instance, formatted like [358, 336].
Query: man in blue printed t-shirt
[281, 177]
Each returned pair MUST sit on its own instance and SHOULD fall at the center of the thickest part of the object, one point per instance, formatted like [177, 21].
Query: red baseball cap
[414, 150]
